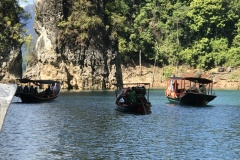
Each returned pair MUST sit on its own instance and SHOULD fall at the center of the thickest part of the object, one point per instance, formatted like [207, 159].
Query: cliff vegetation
[198, 33]
[12, 36]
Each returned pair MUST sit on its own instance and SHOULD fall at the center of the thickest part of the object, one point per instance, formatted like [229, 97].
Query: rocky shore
[223, 79]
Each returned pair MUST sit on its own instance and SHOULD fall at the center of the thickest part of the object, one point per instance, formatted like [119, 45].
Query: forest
[197, 33]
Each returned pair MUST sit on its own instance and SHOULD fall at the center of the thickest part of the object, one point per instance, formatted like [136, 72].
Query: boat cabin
[189, 90]
[177, 86]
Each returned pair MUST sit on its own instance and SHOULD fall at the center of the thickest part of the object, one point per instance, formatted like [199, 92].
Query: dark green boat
[189, 90]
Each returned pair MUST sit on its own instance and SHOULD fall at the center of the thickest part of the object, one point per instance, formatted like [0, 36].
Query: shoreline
[157, 76]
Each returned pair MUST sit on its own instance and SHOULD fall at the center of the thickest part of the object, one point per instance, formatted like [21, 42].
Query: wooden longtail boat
[30, 92]
[189, 90]
[132, 98]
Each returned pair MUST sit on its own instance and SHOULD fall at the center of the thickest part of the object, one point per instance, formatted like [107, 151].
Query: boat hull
[196, 99]
[31, 98]
[136, 109]
[7, 92]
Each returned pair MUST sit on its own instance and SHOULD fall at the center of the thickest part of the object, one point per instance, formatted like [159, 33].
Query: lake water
[85, 125]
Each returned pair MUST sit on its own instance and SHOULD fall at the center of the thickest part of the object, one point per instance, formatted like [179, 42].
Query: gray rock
[81, 66]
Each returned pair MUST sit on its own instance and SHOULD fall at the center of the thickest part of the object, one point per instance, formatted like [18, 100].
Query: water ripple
[85, 125]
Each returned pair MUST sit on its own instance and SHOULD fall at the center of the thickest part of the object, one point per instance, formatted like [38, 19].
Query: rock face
[80, 66]
[11, 64]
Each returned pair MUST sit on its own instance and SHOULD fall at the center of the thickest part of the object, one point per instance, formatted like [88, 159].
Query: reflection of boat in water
[199, 90]
[132, 98]
[7, 92]
[37, 90]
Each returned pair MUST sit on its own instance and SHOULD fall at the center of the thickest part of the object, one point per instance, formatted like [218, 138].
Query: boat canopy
[129, 84]
[26, 80]
[193, 79]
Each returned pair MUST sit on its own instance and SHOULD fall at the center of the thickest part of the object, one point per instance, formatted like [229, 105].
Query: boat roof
[125, 85]
[26, 80]
[137, 84]
[193, 79]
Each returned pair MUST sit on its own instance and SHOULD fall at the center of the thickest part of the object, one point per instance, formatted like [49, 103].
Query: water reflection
[87, 126]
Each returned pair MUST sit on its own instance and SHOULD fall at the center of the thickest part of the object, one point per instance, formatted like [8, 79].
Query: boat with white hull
[7, 92]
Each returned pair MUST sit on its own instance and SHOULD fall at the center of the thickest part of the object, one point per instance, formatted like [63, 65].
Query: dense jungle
[199, 33]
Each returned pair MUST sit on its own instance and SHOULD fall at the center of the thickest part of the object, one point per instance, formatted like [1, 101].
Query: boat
[35, 91]
[7, 92]
[133, 98]
[194, 91]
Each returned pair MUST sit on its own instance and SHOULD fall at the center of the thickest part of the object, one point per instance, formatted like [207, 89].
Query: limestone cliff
[12, 19]
[94, 65]
[11, 64]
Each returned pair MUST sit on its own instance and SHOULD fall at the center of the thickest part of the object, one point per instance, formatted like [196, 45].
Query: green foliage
[199, 33]
[82, 22]
[168, 71]
[233, 57]
[219, 51]
[12, 18]
[208, 17]
[206, 53]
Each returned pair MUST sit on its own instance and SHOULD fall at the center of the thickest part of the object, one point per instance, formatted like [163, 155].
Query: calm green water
[85, 125]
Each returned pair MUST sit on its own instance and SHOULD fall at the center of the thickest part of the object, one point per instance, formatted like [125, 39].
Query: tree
[81, 23]
[12, 18]
[233, 56]
[166, 31]
[209, 18]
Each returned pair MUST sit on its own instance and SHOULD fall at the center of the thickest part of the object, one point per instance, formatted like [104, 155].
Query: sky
[21, 3]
